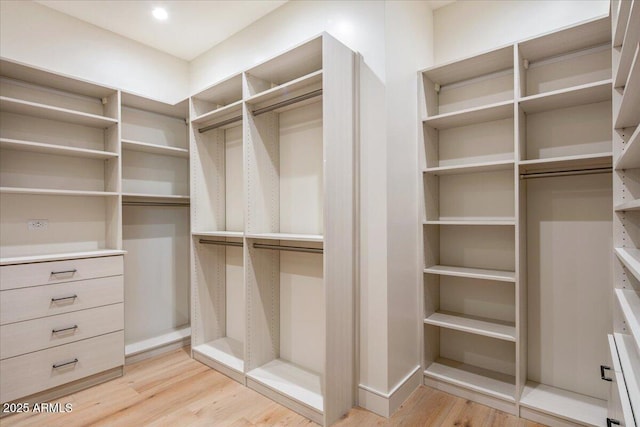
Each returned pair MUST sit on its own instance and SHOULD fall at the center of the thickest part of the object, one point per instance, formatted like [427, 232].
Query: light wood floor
[174, 390]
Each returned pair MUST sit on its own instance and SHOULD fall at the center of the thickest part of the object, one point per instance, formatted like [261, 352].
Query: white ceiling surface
[193, 27]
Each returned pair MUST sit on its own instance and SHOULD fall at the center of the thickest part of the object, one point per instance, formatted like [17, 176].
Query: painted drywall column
[44, 38]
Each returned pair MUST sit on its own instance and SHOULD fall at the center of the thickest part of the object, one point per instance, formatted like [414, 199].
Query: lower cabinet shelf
[474, 325]
[226, 350]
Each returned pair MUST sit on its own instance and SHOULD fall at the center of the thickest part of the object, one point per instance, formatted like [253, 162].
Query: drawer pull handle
[70, 362]
[64, 272]
[612, 421]
[64, 298]
[602, 375]
[55, 331]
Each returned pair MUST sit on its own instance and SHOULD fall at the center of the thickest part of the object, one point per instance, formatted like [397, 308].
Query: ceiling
[193, 27]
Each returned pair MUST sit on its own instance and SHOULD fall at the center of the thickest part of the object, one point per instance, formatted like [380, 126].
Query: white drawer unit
[38, 334]
[31, 373]
[45, 273]
[40, 301]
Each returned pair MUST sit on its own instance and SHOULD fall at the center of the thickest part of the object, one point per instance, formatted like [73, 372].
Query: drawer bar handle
[602, 374]
[74, 296]
[70, 362]
[55, 331]
[64, 272]
[611, 421]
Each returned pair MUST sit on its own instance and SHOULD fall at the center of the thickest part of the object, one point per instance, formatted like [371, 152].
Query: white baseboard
[385, 404]
[165, 343]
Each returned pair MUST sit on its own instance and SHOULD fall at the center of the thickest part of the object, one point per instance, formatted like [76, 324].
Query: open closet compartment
[217, 180]
[624, 343]
[156, 230]
[60, 162]
[468, 160]
[299, 229]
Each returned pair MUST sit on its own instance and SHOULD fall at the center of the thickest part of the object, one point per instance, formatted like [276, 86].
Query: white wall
[472, 26]
[36, 35]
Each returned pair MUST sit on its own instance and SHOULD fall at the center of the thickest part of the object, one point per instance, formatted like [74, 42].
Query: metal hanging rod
[565, 173]
[288, 248]
[220, 242]
[293, 100]
[157, 204]
[220, 124]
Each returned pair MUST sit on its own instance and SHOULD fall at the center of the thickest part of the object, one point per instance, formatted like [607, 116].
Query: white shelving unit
[624, 405]
[504, 300]
[156, 230]
[272, 149]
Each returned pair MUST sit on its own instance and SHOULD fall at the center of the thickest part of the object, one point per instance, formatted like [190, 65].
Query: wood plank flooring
[174, 390]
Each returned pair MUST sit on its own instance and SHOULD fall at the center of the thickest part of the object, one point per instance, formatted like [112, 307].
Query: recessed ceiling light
[160, 14]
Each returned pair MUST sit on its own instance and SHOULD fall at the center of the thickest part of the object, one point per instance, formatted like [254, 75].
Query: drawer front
[43, 273]
[17, 305]
[35, 372]
[39, 334]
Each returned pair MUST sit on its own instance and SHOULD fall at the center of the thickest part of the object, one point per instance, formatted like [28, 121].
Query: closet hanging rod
[156, 204]
[291, 101]
[288, 248]
[220, 242]
[220, 124]
[565, 173]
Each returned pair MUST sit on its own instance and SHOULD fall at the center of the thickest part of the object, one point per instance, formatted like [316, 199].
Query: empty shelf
[34, 109]
[564, 404]
[583, 161]
[630, 156]
[52, 192]
[473, 273]
[498, 111]
[140, 196]
[629, 356]
[163, 150]
[478, 221]
[292, 381]
[61, 150]
[473, 325]
[633, 205]
[60, 256]
[478, 65]
[287, 236]
[630, 257]
[619, 24]
[471, 168]
[630, 303]
[238, 234]
[288, 90]
[228, 111]
[564, 98]
[629, 111]
[226, 351]
[477, 379]
[630, 42]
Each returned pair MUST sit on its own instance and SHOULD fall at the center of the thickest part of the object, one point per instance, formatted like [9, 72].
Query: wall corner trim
[385, 404]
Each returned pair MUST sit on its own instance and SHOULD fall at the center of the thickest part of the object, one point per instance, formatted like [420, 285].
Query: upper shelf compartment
[218, 105]
[478, 81]
[577, 56]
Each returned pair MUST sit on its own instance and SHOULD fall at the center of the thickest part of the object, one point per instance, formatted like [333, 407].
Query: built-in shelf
[292, 381]
[478, 65]
[563, 98]
[619, 22]
[178, 334]
[631, 39]
[630, 156]
[629, 111]
[497, 111]
[472, 273]
[630, 257]
[139, 196]
[53, 192]
[228, 111]
[163, 150]
[238, 234]
[629, 357]
[289, 89]
[483, 381]
[564, 163]
[287, 236]
[471, 168]
[60, 150]
[633, 205]
[564, 404]
[474, 221]
[630, 304]
[226, 351]
[60, 256]
[34, 109]
[473, 325]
